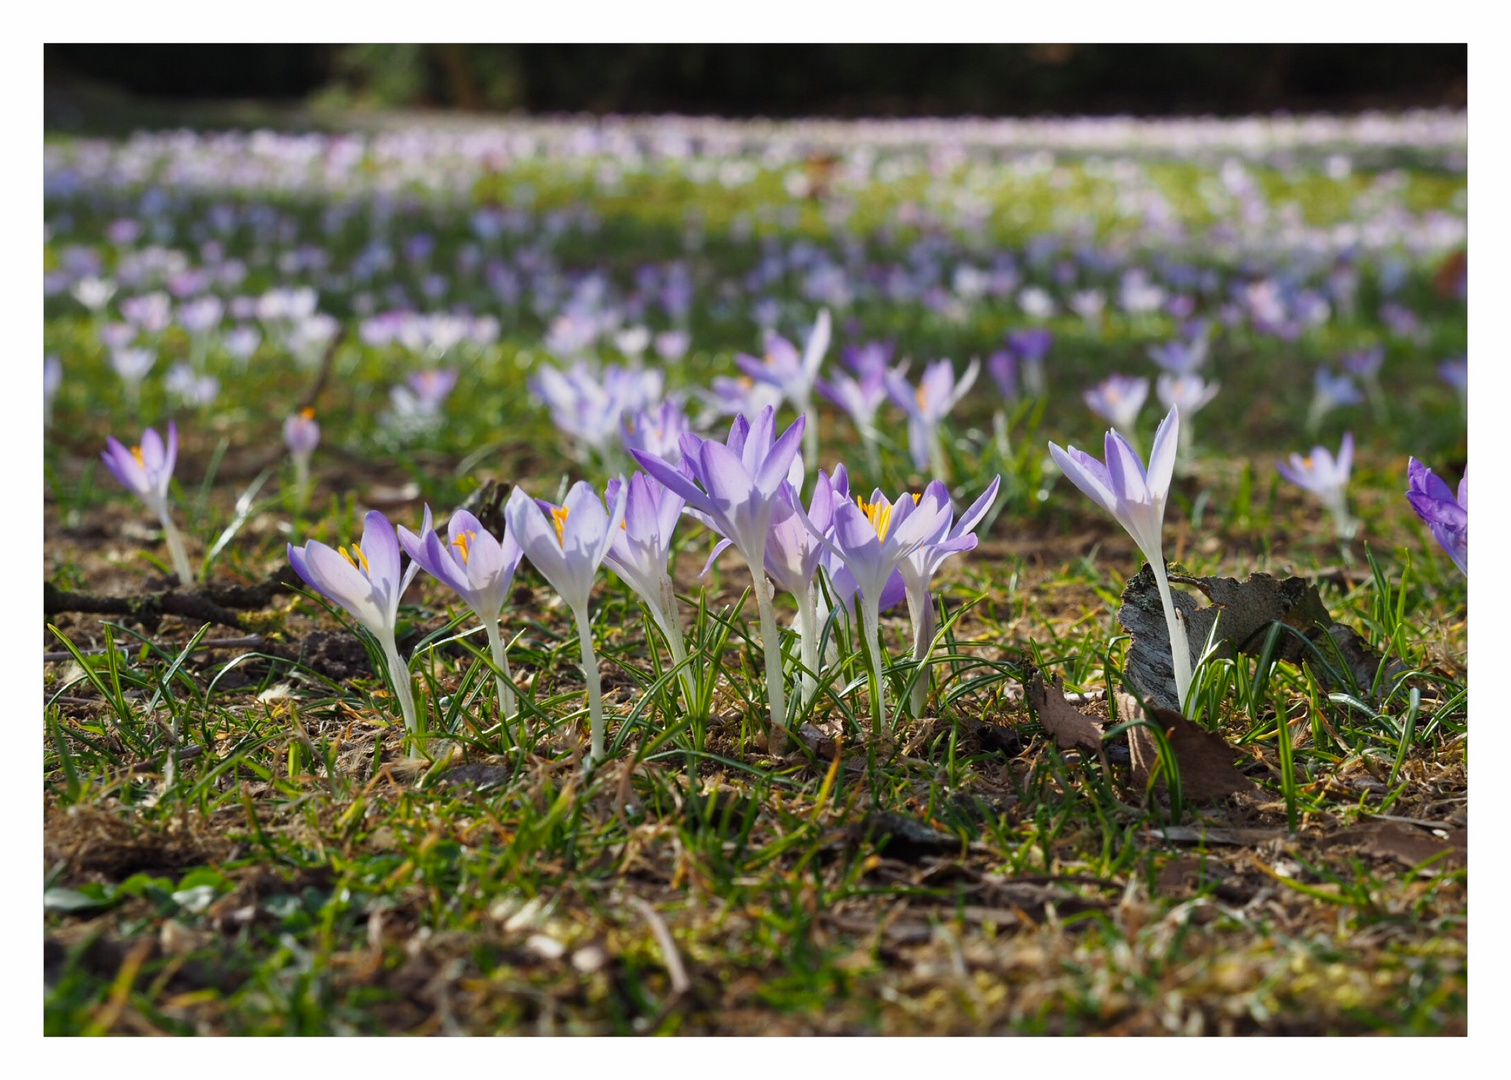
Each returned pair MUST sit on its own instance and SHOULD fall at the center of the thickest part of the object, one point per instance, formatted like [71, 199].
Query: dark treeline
[785, 80]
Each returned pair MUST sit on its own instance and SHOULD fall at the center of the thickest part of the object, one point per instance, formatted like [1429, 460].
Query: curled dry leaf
[1068, 726]
[1205, 759]
[1407, 844]
[1242, 612]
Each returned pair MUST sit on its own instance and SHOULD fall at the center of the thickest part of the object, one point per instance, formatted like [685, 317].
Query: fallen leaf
[898, 836]
[1407, 844]
[1204, 758]
[1070, 727]
[1242, 612]
[1201, 834]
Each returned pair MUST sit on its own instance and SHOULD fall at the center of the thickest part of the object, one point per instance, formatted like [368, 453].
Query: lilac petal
[1125, 471]
[672, 477]
[381, 546]
[719, 549]
[778, 461]
[1162, 454]
[1088, 474]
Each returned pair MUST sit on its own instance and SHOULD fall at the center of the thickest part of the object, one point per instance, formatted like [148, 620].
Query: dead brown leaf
[1204, 758]
[1070, 727]
[1242, 612]
[1407, 844]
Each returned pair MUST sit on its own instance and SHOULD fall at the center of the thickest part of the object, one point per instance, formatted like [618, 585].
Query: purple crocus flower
[936, 394]
[672, 345]
[1031, 346]
[132, 365]
[147, 471]
[868, 357]
[301, 434]
[1188, 393]
[1136, 499]
[1118, 399]
[873, 539]
[859, 398]
[1327, 478]
[241, 342]
[367, 583]
[1182, 356]
[1002, 366]
[734, 487]
[1330, 391]
[1447, 517]
[638, 554]
[93, 292]
[656, 431]
[918, 569]
[190, 387]
[1365, 366]
[425, 392]
[567, 544]
[479, 568]
[792, 374]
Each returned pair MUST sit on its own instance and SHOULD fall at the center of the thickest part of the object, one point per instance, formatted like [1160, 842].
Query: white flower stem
[301, 483]
[595, 687]
[1175, 626]
[871, 626]
[771, 647]
[807, 629]
[921, 612]
[176, 550]
[937, 464]
[669, 619]
[506, 703]
[999, 429]
[398, 677]
[810, 440]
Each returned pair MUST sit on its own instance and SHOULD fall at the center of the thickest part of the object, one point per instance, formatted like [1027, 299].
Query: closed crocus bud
[301, 433]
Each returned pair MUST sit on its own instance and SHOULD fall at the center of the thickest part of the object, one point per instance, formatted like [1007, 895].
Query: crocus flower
[656, 431]
[367, 583]
[873, 539]
[52, 380]
[1329, 392]
[792, 374]
[1446, 516]
[301, 434]
[190, 387]
[1327, 478]
[1365, 365]
[638, 554]
[479, 568]
[424, 393]
[567, 544]
[241, 342]
[1188, 393]
[671, 345]
[734, 487]
[859, 398]
[1182, 356]
[1031, 346]
[132, 365]
[1136, 498]
[937, 393]
[950, 537]
[146, 471]
[1118, 399]
[94, 293]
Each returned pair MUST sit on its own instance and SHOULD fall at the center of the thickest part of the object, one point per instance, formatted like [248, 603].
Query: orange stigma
[463, 543]
[559, 519]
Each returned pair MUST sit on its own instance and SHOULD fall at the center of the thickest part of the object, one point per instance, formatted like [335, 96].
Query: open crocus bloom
[1325, 477]
[1446, 516]
[565, 543]
[367, 582]
[1118, 399]
[1136, 498]
[145, 470]
[470, 560]
[301, 433]
[937, 393]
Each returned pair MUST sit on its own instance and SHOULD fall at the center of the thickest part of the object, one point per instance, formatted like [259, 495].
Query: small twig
[681, 984]
[209, 603]
[248, 642]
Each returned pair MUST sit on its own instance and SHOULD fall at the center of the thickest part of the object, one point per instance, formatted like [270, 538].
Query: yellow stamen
[1306, 462]
[879, 514]
[364, 566]
[923, 397]
[308, 414]
[559, 519]
[463, 544]
[136, 452]
[916, 496]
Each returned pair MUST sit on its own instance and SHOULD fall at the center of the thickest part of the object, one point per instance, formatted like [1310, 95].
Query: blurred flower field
[404, 670]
